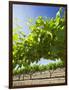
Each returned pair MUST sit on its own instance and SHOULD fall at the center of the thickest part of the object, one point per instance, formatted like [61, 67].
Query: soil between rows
[38, 79]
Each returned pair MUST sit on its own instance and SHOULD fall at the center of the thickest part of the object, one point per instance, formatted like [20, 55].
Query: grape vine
[46, 40]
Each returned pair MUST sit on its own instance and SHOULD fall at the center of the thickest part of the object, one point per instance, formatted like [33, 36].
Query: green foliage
[46, 40]
[60, 64]
[51, 67]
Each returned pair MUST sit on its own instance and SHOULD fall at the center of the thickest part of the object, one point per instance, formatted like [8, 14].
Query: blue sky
[24, 12]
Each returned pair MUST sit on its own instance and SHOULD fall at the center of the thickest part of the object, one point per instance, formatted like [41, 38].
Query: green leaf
[15, 37]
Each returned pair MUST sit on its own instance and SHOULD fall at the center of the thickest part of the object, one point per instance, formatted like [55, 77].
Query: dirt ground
[38, 79]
